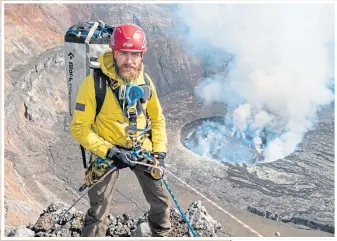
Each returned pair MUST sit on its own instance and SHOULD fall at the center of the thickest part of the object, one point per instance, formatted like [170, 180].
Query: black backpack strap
[100, 89]
[83, 157]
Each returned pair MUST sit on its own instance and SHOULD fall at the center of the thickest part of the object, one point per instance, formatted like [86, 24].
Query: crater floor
[298, 188]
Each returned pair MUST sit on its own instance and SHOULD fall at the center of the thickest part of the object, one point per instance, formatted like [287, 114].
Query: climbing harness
[130, 98]
[101, 166]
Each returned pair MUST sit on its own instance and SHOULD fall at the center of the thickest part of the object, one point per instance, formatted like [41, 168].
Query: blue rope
[180, 209]
[175, 201]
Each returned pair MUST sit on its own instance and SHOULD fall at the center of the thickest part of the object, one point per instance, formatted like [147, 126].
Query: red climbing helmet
[128, 37]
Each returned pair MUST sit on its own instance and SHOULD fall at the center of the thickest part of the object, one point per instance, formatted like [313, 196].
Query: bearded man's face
[128, 64]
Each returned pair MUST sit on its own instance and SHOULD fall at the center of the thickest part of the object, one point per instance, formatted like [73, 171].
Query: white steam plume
[280, 70]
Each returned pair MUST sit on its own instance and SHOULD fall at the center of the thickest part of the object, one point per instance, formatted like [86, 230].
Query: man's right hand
[121, 158]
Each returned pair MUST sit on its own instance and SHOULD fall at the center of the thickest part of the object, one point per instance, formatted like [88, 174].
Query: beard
[129, 73]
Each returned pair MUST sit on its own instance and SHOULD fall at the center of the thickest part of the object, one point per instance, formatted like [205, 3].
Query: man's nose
[129, 58]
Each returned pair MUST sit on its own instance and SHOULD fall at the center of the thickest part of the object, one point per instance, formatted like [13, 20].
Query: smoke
[280, 72]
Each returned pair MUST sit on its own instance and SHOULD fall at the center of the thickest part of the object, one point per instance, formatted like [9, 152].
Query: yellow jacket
[99, 135]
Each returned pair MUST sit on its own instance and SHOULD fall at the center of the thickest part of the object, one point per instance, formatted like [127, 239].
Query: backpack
[84, 43]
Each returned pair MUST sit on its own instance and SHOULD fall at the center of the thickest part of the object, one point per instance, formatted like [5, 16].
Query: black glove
[160, 156]
[122, 158]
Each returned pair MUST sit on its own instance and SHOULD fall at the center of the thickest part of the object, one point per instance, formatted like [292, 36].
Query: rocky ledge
[50, 224]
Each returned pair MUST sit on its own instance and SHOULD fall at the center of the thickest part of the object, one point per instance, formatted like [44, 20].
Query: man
[105, 136]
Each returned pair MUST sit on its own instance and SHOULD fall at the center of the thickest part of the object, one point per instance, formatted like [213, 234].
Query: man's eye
[136, 54]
